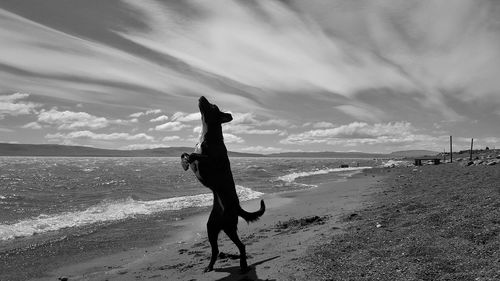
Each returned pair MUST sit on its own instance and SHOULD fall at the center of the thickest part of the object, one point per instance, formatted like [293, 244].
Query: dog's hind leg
[213, 234]
[233, 235]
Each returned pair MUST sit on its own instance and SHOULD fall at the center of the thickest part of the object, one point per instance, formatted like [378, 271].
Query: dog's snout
[203, 102]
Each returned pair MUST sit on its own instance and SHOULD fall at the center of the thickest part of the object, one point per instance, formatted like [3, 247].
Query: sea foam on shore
[112, 211]
[293, 176]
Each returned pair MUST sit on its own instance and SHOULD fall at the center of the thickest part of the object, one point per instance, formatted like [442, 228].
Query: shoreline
[183, 255]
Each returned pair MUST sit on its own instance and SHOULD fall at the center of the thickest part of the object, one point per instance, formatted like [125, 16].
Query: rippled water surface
[47, 194]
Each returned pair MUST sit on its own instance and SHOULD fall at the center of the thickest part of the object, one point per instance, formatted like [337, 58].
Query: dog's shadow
[251, 275]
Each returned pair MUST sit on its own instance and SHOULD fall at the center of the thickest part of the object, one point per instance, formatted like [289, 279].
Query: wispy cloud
[230, 138]
[249, 118]
[161, 118]
[423, 47]
[40, 58]
[145, 113]
[15, 104]
[279, 50]
[444, 48]
[251, 124]
[251, 130]
[171, 138]
[361, 133]
[68, 120]
[173, 126]
[32, 125]
[98, 136]
[323, 124]
[365, 113]
[186, 117]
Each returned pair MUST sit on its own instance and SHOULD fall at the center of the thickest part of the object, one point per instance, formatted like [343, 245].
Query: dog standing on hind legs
[211, 166]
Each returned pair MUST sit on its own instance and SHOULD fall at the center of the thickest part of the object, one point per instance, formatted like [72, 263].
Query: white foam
[396, 163]
[111, 211]
[293, 176]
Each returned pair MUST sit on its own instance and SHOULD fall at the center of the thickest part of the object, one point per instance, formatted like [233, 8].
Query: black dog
[211, 166]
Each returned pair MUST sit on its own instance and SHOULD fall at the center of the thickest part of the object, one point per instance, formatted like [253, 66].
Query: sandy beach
[293, 222]
[400, 223]
[426, 223]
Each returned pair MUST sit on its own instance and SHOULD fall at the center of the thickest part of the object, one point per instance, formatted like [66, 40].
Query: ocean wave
[256, 168]
[112, 211]
[396, 163]
[289, 178]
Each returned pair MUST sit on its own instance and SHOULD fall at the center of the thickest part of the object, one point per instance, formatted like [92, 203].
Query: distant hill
[329, 154]
[7, 149]
[413, 153]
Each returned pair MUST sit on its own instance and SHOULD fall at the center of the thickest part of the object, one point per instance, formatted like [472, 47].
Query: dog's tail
[251, 217]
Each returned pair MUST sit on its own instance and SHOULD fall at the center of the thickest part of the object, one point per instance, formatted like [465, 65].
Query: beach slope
[276, 244]
[429, 223]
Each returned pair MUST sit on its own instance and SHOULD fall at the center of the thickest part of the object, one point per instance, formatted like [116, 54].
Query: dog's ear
[225, 117]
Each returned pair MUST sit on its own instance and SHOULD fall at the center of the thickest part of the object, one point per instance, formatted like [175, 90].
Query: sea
[80, 207]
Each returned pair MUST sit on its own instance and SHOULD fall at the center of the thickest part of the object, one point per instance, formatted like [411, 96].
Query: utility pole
[471, 143]
[451, 149]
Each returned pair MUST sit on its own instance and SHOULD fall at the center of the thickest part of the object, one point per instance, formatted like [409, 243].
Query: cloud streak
[361, 133]
[97, 136]
[409, 47]
[145, 113]
[279, 50]
[161, 118]
[173, 126]
[57, 64]
[69, 120]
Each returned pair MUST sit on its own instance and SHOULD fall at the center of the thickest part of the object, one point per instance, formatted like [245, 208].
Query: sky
[316, 75]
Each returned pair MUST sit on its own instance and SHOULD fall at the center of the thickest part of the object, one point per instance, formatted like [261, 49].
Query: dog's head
[210, 113]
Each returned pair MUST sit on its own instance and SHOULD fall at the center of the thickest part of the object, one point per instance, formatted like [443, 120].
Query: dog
[211, 166]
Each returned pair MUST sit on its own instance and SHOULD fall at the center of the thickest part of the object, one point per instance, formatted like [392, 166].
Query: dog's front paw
[185, 161]
[191, 158]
